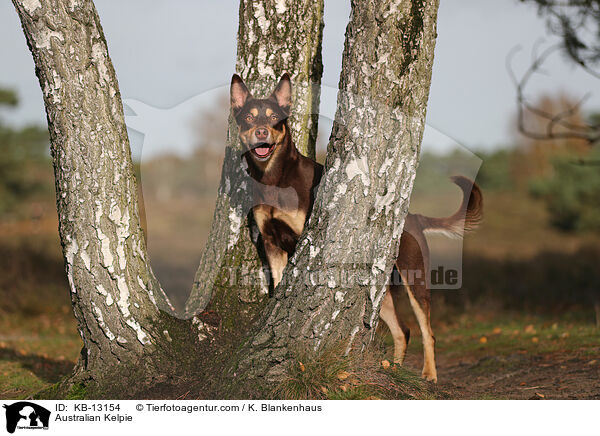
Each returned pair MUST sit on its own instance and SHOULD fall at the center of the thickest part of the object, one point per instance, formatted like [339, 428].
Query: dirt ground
[522, 375]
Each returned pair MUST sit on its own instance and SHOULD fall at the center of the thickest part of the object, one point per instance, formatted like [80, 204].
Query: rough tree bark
[118, 303]
[333, 285]
[274, 36]
[123, 316]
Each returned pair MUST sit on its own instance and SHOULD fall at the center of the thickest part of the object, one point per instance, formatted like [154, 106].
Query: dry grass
[357, 376]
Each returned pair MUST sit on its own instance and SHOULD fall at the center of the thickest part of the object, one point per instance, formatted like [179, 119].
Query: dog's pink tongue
[262, 151]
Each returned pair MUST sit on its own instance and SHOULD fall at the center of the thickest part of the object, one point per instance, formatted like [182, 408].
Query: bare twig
[588, 133]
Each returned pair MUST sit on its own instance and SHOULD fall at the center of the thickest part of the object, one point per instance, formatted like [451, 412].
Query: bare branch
[588, 133]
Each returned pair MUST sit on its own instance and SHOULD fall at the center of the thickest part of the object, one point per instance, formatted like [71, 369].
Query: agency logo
[26, 415]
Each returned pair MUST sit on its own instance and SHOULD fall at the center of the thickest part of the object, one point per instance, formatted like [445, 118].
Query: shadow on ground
[45, 368]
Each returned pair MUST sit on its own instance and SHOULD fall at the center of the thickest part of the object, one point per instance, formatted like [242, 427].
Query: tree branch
[587, 133]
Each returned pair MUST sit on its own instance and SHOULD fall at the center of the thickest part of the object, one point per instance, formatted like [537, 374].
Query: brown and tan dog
[285, 193]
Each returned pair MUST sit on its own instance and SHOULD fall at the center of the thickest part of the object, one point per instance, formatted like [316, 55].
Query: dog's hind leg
[421, 307]
[413, 268]
[399, 332]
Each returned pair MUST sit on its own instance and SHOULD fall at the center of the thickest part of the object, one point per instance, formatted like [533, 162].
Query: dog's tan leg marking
[277, 260]
[276, 257]
[388, 315]
[429, 371]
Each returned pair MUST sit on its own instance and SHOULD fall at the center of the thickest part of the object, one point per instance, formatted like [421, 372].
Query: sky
[173, 57]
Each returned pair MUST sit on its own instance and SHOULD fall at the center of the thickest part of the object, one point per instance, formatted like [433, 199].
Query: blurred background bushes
[537, 250]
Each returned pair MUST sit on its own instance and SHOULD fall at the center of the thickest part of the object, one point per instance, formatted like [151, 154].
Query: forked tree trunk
[274, 36]
[121, 310]
[116, 298]
[334, 284]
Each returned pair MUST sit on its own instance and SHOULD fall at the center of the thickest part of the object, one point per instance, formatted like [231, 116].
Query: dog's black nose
[261, 133]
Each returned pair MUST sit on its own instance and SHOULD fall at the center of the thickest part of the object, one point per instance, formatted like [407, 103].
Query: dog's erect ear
[238, 92]
[283, 93]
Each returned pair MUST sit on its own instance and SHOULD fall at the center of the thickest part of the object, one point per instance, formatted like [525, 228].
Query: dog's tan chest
[294, 219]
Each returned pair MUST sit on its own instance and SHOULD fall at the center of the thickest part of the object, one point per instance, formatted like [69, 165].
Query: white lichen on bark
[343, 261]
[96, 191]
[274, 36]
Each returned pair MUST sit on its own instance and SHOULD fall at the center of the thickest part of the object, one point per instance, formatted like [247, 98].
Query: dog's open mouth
[263, 150]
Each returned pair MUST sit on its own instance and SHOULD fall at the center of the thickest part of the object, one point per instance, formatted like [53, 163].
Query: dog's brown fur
[280, 212]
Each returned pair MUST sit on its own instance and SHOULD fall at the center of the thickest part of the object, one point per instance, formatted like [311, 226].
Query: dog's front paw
[429, 376]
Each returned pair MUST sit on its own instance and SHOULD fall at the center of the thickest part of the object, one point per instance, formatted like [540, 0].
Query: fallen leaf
[497, 331]
[343, 375]
[565, 335]
[530, 329]
[301, 365]
[373, 397]
[385, 364]
[522, 384]
[592, 362]
[535, 339]
[344, 388]
[324, 389]
[540, 395]
[483, 339]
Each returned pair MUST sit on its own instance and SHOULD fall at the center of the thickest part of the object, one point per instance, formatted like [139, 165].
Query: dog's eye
[249, 118]
[274, 117]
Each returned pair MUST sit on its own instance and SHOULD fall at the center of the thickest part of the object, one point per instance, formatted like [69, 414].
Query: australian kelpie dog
[275, 163]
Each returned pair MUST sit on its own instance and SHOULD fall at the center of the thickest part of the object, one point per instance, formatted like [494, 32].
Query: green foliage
[8, 97]
[495, 171]
[434, 169]
[572, 193]
[24, 161]
[549, 282]
[23, 156]
[593, 119]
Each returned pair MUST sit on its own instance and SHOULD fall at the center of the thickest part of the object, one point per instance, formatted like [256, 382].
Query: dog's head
[262, 122]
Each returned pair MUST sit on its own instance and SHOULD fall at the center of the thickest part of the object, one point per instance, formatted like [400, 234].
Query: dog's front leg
[277, 259]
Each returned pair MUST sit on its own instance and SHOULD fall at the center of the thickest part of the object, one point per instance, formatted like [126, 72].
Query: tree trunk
[116, 298]
[273, 37]
[123, 315]
[334, 284]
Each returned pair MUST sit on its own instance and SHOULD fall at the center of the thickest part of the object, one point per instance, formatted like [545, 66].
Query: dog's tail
[466, 218]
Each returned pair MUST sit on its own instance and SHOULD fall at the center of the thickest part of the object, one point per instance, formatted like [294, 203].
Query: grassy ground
[38, 338]
[35, 352]
[519, 357]
[487, 356]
